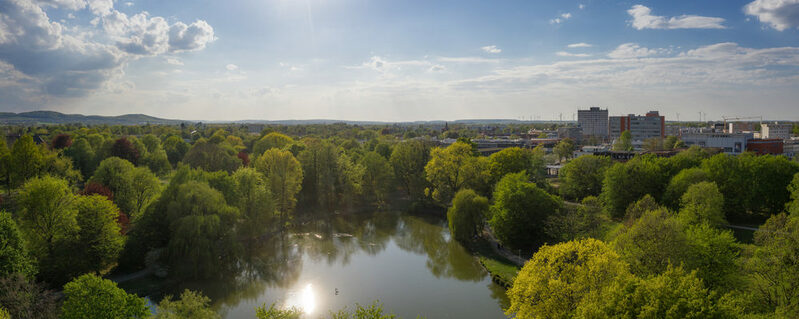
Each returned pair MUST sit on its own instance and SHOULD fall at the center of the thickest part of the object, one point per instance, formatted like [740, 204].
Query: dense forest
[646, 238]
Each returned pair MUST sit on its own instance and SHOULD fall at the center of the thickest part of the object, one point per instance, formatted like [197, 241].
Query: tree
[680, 183]
[47, 213]
[254, 201]
[262, 312]
[560, 279]
[702, 203]
[190, 305]
[564, 149]
[515, 160]
[520, 211]
[98, 242]
[89, 296]
[652, 243]
[83, 156]
[639, 208]
[5, 165]
[378, 176]
[144, 188]
[793, 206]
[157, 161]
[175, 149]
[26, 160]
[675, 293]
[201, 224]
[331, 179]
[212, 157]
[118, 174]
[624, 142]
[772, 266]
[654, 144]
[14, 256]
[714, 256]
[582, 176]
[625, 183]
[467, 215]
[453, 168]
[270, 141]
[24, 298]
[61, 141]
[408, 160]
[586, 220]
[124, 149]
[283, 174]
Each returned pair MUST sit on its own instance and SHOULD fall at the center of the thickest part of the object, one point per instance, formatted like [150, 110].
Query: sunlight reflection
[304, 300]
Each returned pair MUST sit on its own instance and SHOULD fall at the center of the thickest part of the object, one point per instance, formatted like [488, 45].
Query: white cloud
[576, 55]
[643, 19]
[437, 68]
[88, 57]
[174, 61]
[562, 18]
[566, 15]
[579, 45]
[581, 6]
[232, 67]
[779, 14]
[129, 4]
[491, 49]
[633, 50]
[555, 21]
[468, 60]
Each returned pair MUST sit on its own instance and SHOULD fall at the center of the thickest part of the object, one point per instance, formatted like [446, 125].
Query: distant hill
[51, 117]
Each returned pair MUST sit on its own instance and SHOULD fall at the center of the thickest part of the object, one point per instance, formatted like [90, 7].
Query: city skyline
[357, 60]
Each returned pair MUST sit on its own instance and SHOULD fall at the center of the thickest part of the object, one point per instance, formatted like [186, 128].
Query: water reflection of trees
[446, 257]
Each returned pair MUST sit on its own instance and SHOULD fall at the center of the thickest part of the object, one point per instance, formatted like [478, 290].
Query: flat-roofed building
[776, 130]
[730, 143]
[593, 121]
[641, 127]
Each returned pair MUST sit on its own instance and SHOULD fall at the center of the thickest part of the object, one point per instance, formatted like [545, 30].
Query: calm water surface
[408, 263]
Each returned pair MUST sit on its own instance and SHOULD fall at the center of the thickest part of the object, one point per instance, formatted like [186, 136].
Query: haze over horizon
[399, 61]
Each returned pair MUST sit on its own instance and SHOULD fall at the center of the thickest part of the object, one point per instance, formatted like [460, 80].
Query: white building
[593, 121]
[776, 130]
[730, 143]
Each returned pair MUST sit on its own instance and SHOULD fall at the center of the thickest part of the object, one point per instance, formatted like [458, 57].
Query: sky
[392, 60]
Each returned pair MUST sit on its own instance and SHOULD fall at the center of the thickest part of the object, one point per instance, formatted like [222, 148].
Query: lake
[409, 263]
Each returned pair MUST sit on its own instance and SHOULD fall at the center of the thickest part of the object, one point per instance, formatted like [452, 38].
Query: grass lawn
[502, 270]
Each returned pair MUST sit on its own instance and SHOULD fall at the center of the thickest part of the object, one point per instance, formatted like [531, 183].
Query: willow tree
[283, 175]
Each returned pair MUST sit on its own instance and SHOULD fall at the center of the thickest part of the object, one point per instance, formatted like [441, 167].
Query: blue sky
[399, 60]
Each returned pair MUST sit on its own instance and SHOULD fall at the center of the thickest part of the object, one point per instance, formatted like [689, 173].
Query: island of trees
[652, 237]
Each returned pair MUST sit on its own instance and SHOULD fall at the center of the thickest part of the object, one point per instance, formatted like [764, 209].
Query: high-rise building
[641, 127]
[593, 121]
[776, 130]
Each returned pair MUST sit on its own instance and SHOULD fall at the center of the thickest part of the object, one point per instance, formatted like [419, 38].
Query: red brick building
[772, 146]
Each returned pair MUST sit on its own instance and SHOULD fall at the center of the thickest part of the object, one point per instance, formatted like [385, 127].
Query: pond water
[409, 263]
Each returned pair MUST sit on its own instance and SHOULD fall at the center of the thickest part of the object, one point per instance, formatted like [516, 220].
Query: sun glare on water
[303, 299]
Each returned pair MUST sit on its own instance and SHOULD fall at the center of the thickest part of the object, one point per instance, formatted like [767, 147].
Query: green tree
[408, 160]
[26, 160]
[772, 266]
[674, 294]
[560, 279]
[520, 211]
[564, 149]
[515, 160]
[270, 141]
[625, 183]
[680, 183]
[175, 149]
[262, 312]
[639, 208]
[654, 144]
[190, 305]
[133, 187]
[283, 175]
[582, 176]
[98, 242]
[331, 179]
[652, 243]
[212, 157]
[157, 161]
[714, 256]
[583, 221]
[47, 213]
[89, 296]
[144, 188]
[793, 205]
[254, 202]
[378, 177]
[201, 224]
[702, 203]
[453, 168]
[467, 215]
[82, 154]
[5, 165]
[624, 142]
[14, 256]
